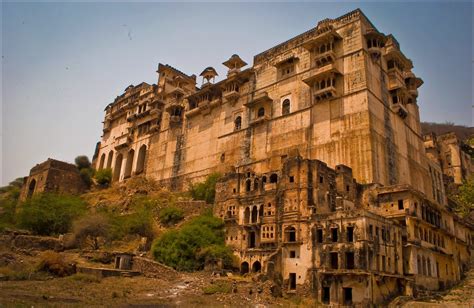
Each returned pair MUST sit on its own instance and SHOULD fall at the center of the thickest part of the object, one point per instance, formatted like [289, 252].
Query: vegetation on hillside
[465, 198]
[205, 190]
[85, 169]
[8, 201]
[188, 247]
[50, 214]
[104, 177]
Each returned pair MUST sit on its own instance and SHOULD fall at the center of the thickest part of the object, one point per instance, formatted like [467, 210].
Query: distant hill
[461, 131]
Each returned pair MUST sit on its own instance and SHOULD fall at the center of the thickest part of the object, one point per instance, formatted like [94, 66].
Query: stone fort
[327, 185]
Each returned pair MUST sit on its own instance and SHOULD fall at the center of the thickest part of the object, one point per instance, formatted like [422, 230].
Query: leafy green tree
[188, 248]
[82, 162]
[465, 198]
[49, 214]
[205, 190]
[8, 201]
[170, 215]
[87, 230]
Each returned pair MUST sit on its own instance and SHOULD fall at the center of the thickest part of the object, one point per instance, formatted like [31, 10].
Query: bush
[8, 201]
[188, 247]
[218, 287]
[48, 214]
[53, 263]
[138, 223]
[88, 229]
[86, 176]
[104, 176]
[206, 190]
[170, 215]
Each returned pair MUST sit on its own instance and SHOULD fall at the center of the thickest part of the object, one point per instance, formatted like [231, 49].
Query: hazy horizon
[62, 63]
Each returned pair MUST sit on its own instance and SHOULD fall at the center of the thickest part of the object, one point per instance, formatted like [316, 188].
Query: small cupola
[234, 64]
[208, 75]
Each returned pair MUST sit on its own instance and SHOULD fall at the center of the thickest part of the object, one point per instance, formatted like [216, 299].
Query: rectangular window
[400, 204]
[350, 234]
[383, 264]
[347, 296]
[350, 260]
[292, 254]
[334, 234]
[292, 179]
[334, 260]
[371, 231]
[321, 179]
[319, 235]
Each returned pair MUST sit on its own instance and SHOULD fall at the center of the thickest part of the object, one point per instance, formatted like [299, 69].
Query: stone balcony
[324, 94]
[260, 120]
[122, 141]
[395, 79]
[323, 59]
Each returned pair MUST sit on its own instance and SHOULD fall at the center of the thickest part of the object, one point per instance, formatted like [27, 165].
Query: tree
[104, 176]
[48, 214]
[465, 198]
[82, 162]
[86, 230]
[205, 190]
[170, 215]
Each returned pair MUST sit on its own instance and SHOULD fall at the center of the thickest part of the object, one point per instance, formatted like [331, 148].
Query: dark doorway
[256, 267]
[326, 295]
[334, 234]
[252, 239]
[319, 236]
[31, 188]
[347, 296]
[244, 268]
[292, 281]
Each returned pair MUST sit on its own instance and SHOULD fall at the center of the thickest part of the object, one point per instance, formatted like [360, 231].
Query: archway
[118, 167]
[141, 160]
[285, 108]
[247, 216]
[129, 164]
[290, 234]
[254, 214]
[109, 159]
[244, 268]
[256, 267]
[31, 188]
[102, 161]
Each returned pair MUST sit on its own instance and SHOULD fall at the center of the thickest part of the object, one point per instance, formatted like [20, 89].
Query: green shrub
[218, 287]
[138, 223]
[48, 214]
[170, 215]
[188, 247]
[8, 201]
[104, 176]
[205, 190]
[82, 162]
[86, 176]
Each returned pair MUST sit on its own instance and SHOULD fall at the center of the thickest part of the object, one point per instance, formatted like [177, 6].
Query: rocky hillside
[463, 132]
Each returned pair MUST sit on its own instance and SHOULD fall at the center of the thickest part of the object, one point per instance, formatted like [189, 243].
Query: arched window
[255, 184]
[102, 161]
[248, 185]
[238, 123]
[118, 167]
[244, 268]
[290, 234]
[261, 112]
[247, 216]
[141, 159]
[109, 159]
[274, 178]
[129, 164]
[285, 107]
[256, 267]
[254, 214]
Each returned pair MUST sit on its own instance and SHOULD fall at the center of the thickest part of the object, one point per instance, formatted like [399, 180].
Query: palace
[327, 186]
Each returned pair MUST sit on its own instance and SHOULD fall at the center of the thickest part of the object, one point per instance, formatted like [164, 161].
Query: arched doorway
[129, 164]
[254, 214]
[31, 188]
[102, 161]
[118, 167]
[109, 159]
[141, 160]
[244, 268]
[247, 216]
[256, 267]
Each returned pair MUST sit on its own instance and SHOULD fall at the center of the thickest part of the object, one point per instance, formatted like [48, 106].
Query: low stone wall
[150, 268]
[32, 242]
[105, 272]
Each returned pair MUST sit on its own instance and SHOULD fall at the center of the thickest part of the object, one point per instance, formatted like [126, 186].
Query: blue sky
[62, 63]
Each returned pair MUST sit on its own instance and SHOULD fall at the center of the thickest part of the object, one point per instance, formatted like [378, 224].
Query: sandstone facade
[52, 176]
